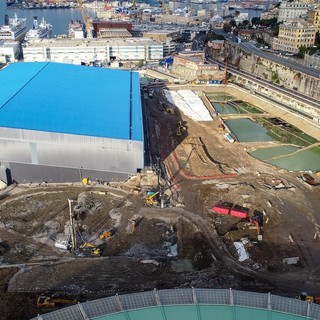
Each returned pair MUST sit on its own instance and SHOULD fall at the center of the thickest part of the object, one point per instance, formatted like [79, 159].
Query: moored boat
[39, 31]
[13, 28]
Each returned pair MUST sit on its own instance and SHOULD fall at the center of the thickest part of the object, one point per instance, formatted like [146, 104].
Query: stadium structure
[61, 123]
[189, 304]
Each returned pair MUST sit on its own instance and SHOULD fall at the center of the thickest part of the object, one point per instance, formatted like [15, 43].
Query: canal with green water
[293, 155]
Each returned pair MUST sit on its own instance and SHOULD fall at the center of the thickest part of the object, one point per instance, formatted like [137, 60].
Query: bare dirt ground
[201, 169]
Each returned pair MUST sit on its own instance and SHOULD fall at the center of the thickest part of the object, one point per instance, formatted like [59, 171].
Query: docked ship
[13, 28]
[76, 29]
[39, 31]
[10, 2]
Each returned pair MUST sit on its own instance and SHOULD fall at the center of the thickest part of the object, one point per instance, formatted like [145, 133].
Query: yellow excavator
[44, 301]
[106, 234]
[93, 249]
[150, 199]
[305, 297]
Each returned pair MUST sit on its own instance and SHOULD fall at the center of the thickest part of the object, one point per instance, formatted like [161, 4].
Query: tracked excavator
[150, 200]
[92, 248]
[106, 234]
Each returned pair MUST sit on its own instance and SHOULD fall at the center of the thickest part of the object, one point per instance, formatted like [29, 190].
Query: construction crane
[86, 19]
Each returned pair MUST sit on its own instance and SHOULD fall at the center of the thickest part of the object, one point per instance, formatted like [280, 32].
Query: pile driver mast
[86, 18]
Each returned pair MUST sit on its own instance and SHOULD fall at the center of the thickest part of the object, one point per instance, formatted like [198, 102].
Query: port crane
[86, 18]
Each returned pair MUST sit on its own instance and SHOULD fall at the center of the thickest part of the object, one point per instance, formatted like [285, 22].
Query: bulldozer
[45, 301]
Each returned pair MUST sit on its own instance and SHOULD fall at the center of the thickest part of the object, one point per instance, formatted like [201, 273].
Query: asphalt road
[250, 47]
[267, 84]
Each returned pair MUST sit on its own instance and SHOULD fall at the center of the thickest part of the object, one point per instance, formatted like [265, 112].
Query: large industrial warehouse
[63, 123]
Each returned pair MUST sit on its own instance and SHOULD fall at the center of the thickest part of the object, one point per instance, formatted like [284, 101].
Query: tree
[303, 50]
[317, 42]
[255, 20]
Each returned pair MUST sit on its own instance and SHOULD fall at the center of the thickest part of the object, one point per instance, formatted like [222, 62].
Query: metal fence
[264, 304]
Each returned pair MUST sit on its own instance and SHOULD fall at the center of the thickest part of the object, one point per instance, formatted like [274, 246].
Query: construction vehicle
[86, 18]
[44, 301]
[257, 220]
[85, 181]
[150, 199]
[181, 128]
[106, 234]
[92, 248]
[305, 297]
[229, 209]
[164, 108]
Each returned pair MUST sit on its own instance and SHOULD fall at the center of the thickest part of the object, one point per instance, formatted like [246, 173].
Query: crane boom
[86, 18]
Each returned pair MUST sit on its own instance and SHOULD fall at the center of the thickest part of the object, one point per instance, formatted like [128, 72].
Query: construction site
[203, 213]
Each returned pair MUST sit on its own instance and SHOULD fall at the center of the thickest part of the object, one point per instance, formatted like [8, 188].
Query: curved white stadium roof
[189, 304]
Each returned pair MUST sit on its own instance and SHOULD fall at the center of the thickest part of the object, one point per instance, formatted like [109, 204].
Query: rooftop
[156, 31]
[92, 42]
[189, 304]
[63, 98]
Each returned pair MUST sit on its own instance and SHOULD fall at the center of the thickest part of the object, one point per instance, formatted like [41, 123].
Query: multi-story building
[293, 35]
[273, 13]
[9, 51]
[312, 61]
[313, 17]
[77, 51]
[166, 37]
[289, 11]
[191, 66]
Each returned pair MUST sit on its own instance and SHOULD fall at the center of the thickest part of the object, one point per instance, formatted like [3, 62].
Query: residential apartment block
[289, 11]
[313, 17]
[293, 35]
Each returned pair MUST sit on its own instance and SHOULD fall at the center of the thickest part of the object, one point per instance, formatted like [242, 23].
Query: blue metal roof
[63, 98]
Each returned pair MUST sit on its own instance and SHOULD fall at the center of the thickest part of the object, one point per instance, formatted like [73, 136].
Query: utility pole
[72, 231]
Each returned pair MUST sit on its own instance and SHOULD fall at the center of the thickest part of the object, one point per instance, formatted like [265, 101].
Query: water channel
[288, 156]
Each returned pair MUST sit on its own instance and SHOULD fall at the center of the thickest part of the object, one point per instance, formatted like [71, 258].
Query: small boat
[10, 2]
[39, 31]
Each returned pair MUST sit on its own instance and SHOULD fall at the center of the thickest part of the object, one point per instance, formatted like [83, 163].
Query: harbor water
[58, 18]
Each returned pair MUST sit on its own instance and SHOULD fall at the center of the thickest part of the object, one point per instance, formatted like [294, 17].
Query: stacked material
[189, 103]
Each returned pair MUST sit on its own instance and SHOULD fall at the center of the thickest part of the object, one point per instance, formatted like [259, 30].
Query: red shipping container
[239, 212]
[221, 209]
